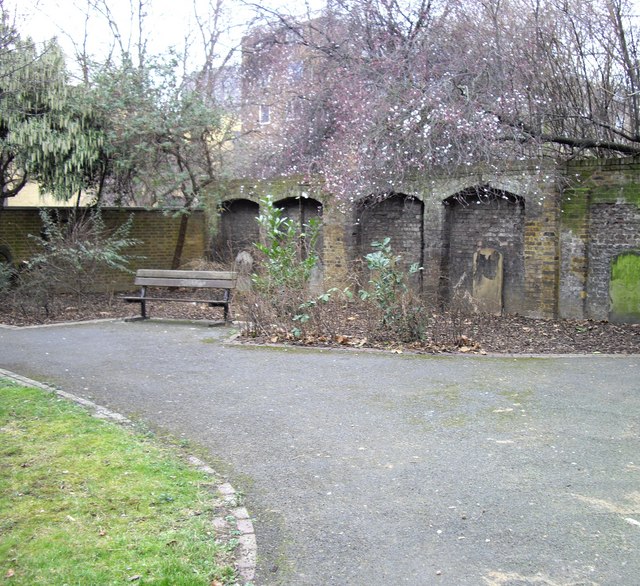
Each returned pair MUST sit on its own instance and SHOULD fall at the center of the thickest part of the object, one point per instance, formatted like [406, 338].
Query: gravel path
[362, 468]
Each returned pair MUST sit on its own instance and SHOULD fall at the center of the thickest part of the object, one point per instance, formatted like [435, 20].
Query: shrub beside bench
[216, 287]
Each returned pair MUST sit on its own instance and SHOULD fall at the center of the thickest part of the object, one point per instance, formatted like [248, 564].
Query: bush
[385, 313]
[284, 266]
[69, 257]
[288, 254]
[402, 313]
[7, 277]
[323, 316]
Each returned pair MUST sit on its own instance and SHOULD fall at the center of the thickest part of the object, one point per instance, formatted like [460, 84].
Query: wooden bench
[224, 281]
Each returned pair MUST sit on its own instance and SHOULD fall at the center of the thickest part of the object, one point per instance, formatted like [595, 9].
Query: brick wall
[157, 232]
[15, 225]
[574, 262]
[541, 256]
[558, 236]
[614, 229]
[336, 230]
[301, 210]
[600, 218]
[301, 200]
[399, 217]
[435, 250]
[557, 252]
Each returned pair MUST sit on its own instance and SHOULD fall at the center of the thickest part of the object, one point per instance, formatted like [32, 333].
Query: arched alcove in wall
[484, 226]
[397, 216]
[237, 229]
[301, 210]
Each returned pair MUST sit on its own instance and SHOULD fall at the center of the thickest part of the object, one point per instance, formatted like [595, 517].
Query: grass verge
[84, 501]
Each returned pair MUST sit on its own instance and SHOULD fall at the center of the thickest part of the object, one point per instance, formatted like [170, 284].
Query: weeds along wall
[156, 231]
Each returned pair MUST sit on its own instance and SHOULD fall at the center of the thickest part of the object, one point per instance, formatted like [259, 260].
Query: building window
[264, 116]
[294, 109]
[295, 70]
[264, 79]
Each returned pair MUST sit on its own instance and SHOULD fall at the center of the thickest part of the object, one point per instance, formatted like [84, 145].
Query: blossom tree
[398, 87]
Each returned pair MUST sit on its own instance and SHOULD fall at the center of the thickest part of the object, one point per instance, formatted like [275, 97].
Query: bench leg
[226, 314]
[143, 303]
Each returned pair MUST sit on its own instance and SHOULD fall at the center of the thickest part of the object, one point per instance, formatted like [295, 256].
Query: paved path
[370, 469]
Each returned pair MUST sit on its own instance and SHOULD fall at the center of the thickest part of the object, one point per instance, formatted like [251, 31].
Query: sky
[168, 19]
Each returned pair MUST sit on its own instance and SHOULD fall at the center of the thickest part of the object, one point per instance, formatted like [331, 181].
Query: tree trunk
[182, 234]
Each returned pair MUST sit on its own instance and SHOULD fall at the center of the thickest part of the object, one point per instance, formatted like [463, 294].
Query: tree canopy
[395, 87]
[137, 128]
[367, 91]
[46, 129]
[163, 137]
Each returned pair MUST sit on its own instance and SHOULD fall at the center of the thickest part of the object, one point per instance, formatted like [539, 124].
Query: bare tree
[167, 126]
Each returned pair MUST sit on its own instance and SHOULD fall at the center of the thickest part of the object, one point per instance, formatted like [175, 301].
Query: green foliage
[47, 129]
[162, 138]
[624, 288]
[403, 315]
[288, 256]
[289, 253]
[138, 134]
[83, 501]
[388, 281]
[64, 149]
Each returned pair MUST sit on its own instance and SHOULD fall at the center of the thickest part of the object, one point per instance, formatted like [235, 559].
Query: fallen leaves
[477, 334]
[359, 341]
[466, 345]
[351, 341]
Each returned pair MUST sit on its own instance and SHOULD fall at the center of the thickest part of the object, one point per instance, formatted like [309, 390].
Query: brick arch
[484, 217]
[237, 229]
[462, 185]
[614, 230]
[398, 216]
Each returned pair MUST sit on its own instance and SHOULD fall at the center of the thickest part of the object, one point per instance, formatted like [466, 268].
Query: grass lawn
[86, 502]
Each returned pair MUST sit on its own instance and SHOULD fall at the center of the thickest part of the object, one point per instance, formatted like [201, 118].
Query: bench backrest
[193, 279]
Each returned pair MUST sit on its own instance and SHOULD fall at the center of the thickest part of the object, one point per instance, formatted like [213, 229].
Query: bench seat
[224, 281]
